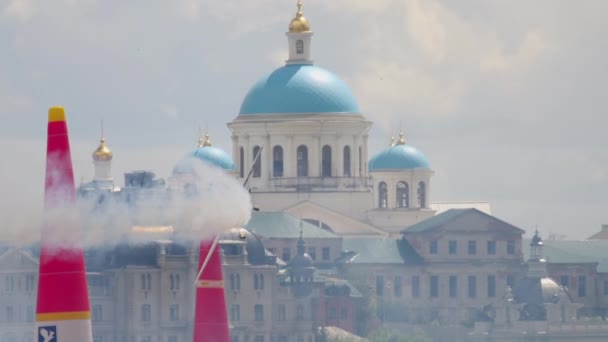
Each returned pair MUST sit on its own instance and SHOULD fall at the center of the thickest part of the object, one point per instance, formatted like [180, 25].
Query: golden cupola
[102, 152]
[299, 24]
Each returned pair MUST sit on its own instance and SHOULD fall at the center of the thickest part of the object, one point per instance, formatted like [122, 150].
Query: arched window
[257, 166]
[360, 161]
[299, 46]
[326, 161]
[302, 155]
[382, 195]
[277, 161]
[346, 161]
[242, 162]
[422, 195]
[300, 312]
[403, 195]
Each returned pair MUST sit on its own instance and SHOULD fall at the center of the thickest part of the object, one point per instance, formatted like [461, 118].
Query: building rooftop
[462, 220]
[283, 225]
[381, 251]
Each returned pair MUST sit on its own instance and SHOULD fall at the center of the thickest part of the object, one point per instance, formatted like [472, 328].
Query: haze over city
[506, 99]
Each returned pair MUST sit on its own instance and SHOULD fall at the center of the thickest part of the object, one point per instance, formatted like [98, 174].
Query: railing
[319, 183]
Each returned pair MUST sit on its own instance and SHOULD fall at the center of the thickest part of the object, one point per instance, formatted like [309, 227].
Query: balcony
[307, 184]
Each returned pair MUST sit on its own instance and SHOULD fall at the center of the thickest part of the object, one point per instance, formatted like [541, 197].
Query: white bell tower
[299, 37]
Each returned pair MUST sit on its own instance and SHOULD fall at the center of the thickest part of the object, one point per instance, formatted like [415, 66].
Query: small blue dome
[399, 157]
[207, 154]
[299, 89]
[214, 156]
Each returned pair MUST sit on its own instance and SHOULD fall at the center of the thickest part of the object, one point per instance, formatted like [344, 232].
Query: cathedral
[337, 230]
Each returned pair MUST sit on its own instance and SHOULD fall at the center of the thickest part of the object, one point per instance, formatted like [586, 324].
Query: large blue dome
[294, 89]
[399, 157]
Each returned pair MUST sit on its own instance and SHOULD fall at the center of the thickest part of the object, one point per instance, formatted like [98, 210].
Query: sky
[506, 98]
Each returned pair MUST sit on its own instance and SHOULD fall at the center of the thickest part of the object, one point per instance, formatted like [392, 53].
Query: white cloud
[20, 9]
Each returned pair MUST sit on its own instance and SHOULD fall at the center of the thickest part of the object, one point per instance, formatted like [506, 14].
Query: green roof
[280, 224]
[381, 251]
[574, 252]
[448, 219]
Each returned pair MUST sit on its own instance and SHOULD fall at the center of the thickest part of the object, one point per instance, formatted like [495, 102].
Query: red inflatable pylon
[62, 311]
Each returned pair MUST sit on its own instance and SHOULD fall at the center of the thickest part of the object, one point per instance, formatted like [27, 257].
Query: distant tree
[554, 237]
[367, 307]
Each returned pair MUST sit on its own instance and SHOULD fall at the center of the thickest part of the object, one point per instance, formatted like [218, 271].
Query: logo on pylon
[47, 334]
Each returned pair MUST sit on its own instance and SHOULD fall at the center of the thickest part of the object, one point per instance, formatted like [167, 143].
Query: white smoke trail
[206, 202]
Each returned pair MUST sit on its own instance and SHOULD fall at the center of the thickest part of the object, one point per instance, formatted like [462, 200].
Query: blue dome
[214, 156]
[299, 89]
[399, 157]
[207, 154]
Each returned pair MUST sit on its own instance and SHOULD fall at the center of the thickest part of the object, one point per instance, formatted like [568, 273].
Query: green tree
[367, 306]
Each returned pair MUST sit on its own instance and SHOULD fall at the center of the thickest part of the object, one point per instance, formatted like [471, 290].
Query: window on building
[242, 162]
[29, 282]
[145, 312]
[433, 247]
[346, 161]
[511, 281]
[491, 286]
[312, 251]
[398, 286]
[453, 286]
[582, 286]
[257, 165]
[453, 247]
[422, 195]
[472, 286]
[360, 161]
[232, 282]
[277, 161]
[472, 247]
[382, 195]
[300, 312]
[491, 247]
[326, 161]
[174, 281]
[146, 339]
[282, 312]
[326, 255]
[96, 338]
[403, 195]
[174, 312]
[259, 312]
[434, 286]
[9, 283]
[258, 281]
[235, 312]
[299, 46]
[9, 314]
[605, 287]
[146, 281]
[286, 254]
[302, 161]
[332, 313]
[173, 338]
[563, 280]
[97, 314]
[415, 286]
[379, 285]
[259, 338]
[510, 247]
